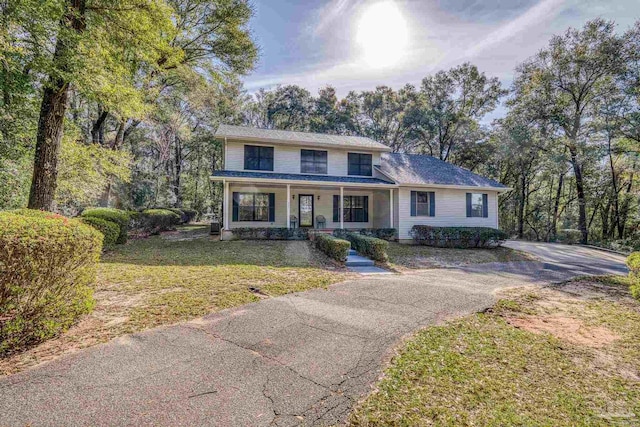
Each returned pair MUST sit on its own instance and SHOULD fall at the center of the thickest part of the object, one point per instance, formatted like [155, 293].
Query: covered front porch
[312, 205]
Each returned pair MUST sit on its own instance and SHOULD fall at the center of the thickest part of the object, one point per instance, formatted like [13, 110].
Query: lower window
[253, 207]
[356, 209]
[477, 205]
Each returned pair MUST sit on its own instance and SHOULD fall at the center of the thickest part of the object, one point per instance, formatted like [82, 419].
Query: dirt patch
[566, 329]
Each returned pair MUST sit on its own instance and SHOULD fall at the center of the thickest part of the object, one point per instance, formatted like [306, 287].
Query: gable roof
[298, 138]
[418, 169]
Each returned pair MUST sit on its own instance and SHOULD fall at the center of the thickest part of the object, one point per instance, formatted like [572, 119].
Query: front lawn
[181, 275]
[404, 256]
[559, 356]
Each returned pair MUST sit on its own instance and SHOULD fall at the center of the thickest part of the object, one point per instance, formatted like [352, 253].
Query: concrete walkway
[299, 359]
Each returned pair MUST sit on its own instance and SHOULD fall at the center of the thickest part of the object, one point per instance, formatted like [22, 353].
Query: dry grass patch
[181, 275]
[407, 257]
[563, 355]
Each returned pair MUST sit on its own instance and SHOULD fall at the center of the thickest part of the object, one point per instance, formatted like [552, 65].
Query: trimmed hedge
[47, 266]
[110, 230]
[458, 237]
[156, 220]
[335, 248]
[368, 246]
[633, 262]
[270, 233]
[388, 234]
[179, 212]
[118, 216]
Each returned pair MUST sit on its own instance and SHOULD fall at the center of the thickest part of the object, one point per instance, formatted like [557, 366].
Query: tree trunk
[521, 206]
[52, 111]
[556, 208]
[119, 139]
[178, 172]
[582, 209]
[97, 130]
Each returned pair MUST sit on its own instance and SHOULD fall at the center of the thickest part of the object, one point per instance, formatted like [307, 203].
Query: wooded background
[115, 102]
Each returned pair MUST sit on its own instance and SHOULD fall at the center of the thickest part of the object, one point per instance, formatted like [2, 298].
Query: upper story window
[477, 206]
[313, 161]
[258, 158]
[360, 164]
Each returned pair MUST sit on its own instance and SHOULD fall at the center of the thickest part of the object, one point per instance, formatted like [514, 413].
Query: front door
[305, 207]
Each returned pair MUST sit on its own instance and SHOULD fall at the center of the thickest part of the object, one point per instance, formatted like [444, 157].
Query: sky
[360, 44]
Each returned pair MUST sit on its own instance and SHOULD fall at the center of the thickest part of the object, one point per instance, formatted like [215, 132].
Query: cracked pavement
[300, 359]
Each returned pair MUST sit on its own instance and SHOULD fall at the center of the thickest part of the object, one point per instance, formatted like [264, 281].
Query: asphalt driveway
[299, 359]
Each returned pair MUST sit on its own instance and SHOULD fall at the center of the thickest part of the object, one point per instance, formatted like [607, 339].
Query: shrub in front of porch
[335, 248]
[270, 233]
[458, 237]
[388, 234]
[368, 246]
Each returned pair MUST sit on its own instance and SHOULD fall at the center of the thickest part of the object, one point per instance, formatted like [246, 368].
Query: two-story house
[275, 178]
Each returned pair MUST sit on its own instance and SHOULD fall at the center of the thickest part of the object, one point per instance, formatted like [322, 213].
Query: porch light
[318, 197]
[293, 196]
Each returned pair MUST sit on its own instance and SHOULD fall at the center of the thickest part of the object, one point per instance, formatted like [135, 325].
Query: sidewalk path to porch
[363, 265]
[304, 358]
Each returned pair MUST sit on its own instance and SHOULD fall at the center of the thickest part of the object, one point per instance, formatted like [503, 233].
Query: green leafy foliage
[335, 248]
[117, 216]
[155, 221]
[47, 266]
[368, 246]
[190, 214]
[270, 233]
[388, 234]
[110, 230]
[84, 171]
[633, 262]
[569, 236]
[179, 212]
[458, 237]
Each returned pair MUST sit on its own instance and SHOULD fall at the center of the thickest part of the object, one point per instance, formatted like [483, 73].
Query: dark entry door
[305, 207]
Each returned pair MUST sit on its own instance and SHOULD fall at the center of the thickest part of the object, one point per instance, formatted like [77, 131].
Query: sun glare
[382, 34]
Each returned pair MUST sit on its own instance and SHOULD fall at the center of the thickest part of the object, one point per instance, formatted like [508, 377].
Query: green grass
[181, 279]
[482, 371]
[407, 256]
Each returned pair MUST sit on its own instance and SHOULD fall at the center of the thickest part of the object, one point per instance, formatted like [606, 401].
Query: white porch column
[391, 208]
[225, 206]
[341, 208]
[288, 219]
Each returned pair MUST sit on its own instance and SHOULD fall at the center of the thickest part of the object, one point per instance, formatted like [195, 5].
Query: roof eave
[299, 182]
[456, 186]
[381, 148]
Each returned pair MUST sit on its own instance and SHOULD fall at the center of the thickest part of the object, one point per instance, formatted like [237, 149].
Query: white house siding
[322, 206]
[286, 159]
[451, 210]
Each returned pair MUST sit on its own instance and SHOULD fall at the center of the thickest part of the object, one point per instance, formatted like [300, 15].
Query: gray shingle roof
[299, 138]
[299, 177]
[406, 169]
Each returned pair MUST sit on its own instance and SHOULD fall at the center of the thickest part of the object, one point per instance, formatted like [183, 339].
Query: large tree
[448, 110]
[563, 85]
[114, 31]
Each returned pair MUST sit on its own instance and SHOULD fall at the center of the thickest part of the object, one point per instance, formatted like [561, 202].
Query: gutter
[302, 182]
